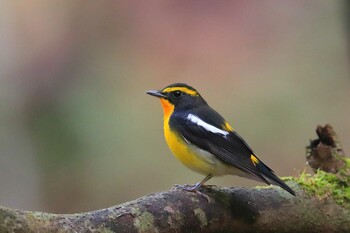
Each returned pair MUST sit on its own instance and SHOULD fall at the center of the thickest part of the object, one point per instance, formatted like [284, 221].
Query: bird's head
[178, 96]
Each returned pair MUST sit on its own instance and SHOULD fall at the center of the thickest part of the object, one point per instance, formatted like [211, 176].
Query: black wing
[229, 148]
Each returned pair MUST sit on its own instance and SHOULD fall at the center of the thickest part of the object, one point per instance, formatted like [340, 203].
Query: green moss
[347, 162]
[288, 178]
[264, 187]
[325, 185]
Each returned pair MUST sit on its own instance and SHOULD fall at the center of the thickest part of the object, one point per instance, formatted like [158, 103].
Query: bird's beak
[156, 93]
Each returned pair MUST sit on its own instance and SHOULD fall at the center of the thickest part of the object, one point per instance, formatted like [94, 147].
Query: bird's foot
[193, 189]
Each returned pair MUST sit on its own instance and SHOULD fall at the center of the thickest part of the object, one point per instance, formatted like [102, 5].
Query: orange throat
[168, 108]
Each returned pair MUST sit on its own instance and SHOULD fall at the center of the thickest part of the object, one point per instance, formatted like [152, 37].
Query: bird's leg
[195, 187]
[198, 185]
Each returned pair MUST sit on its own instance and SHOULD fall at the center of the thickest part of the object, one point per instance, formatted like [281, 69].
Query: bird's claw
[200, 194]
[193, 189]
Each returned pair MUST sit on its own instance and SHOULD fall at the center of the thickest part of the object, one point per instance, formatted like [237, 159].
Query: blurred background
[78, 132]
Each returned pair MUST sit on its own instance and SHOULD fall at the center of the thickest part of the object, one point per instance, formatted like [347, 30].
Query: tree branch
[260, 209]
[229, 210]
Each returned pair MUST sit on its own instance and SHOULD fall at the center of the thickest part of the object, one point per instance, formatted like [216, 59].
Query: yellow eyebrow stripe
[183, 89]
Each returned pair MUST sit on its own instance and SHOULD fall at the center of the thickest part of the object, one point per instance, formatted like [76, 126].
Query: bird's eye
[177, 94]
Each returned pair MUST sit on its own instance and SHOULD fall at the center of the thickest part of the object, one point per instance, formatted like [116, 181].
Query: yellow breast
[192, 157]
[187, 154]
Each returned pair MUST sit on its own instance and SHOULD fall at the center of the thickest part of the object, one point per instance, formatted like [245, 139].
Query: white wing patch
[205, 125]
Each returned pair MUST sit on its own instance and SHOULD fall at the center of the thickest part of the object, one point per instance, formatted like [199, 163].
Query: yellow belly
[187, 155]
[192, 157]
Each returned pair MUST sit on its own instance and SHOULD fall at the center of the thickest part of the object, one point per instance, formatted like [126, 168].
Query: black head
[180, 95]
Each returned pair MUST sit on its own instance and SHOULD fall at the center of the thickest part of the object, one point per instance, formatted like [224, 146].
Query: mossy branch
[264, 210]
[229, 210]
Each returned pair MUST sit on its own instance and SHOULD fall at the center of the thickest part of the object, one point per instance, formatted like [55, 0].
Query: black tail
[270, 176]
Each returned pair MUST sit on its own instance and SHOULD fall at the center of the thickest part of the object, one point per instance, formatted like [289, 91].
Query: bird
[205, 142]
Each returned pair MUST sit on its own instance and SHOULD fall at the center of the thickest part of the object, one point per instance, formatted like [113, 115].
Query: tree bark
[326, 152]
[228, 210]
[261, 209]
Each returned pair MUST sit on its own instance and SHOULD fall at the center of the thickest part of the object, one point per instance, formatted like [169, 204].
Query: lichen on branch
[319, 197]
